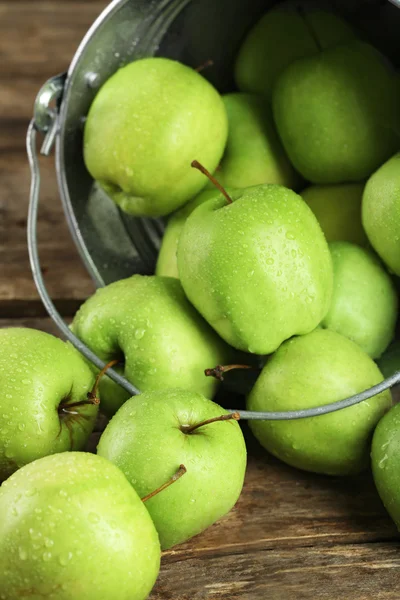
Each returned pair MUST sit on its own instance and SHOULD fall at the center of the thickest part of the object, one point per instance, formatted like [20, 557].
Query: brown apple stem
[65, 408]
[93, 395]
[233, 416]
[208, 63]
[180, 472]
[199, 167]
[219, 370]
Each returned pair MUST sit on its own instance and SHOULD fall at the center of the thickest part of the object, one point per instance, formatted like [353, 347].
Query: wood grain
[68, 282]
[352, 572]
[44, 39]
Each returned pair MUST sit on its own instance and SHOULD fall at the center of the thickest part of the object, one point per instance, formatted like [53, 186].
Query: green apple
[166, 263]
[281, 37]
[337, 113]
[364, 301]
[144, 128]
[148, 323]
[385, 458]
[381, 212]
[40, 376]
[309, 371]
[254, 153]
[389, 362]
[258, 269]
[149, 438]
[338, 210]
[71, 528]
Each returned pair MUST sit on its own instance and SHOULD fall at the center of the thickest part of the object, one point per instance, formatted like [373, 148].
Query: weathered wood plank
[65, 274]
[43, 324]
[45, 36]
[353, 572]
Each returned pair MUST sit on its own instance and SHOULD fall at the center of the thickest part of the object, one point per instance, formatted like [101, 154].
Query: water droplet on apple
[139, 333]
[93, 518]
[63, 493]
[64, 559]
[21, 426]
[46, 556]
[289, 236]
[381, 463]
[22, 553]
[31, 492]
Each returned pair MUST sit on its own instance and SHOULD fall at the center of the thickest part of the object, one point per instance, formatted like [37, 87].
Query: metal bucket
[114, 245]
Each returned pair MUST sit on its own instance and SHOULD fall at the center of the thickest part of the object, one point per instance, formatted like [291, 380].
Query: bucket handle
[51, 130]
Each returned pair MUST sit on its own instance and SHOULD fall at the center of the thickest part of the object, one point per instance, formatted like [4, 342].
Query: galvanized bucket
[114, 245]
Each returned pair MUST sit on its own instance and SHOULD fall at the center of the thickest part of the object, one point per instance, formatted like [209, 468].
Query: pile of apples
[281, 255]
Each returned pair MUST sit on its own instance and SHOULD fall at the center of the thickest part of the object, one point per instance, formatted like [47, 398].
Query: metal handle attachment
[50, 93]
[51, 128]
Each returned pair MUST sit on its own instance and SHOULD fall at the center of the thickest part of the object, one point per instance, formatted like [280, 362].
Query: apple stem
[93, 396]
[180, 472]
[219, 370]
[233, 416]
[199, 167]
[208, 63]
[66, 407]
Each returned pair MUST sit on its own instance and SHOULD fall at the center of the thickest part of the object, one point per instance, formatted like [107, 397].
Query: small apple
[152, 434]
[385, 458]
[337, 113]
[145, 126]
[364, 300]
[309, 371]
[381, 212]
[73, 528]
[148, 324]
[44, 384]
[256, 265]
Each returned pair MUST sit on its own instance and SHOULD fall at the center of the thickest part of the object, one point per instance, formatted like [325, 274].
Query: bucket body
[112, 244]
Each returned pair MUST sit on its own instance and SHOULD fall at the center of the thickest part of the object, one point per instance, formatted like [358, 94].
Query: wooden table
[292, 535]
